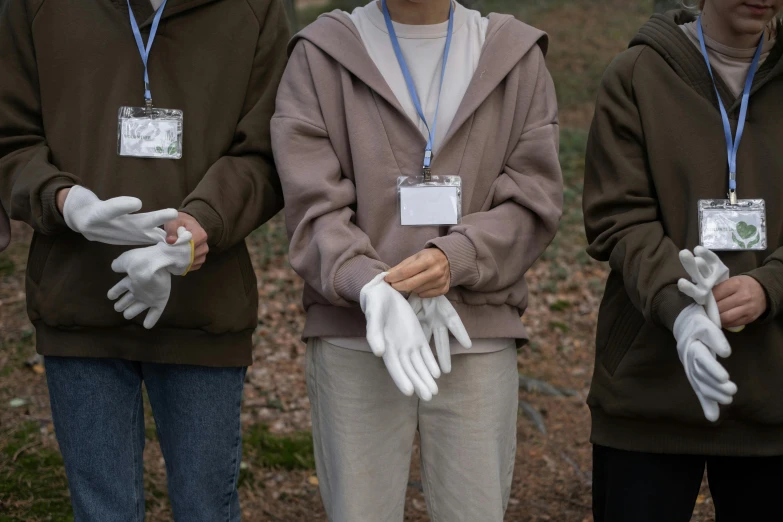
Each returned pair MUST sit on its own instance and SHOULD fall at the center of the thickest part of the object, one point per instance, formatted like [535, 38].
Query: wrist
[60, 198]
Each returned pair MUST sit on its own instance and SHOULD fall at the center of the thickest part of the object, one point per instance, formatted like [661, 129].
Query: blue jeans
[99, 420]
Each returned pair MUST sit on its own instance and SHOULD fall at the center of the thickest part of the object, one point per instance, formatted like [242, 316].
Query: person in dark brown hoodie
[71, 167]
[663, 404]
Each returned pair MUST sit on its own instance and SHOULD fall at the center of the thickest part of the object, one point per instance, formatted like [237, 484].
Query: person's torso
[638, 373]
[89, 66]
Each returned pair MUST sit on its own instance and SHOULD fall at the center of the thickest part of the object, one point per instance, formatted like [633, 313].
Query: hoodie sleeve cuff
[354, 274]
[770, 277]
[668, 304]
[462, 256]
[52, 219]
[208, 218]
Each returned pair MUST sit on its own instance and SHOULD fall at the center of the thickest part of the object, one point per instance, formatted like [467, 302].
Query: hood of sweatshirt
[662, 33]
[507, 42]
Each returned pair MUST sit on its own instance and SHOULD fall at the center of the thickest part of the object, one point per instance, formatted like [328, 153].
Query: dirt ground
[552, 480]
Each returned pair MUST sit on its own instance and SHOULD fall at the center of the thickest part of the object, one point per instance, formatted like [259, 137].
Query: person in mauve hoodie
[685, 143]
[86, 140]
[428, 96]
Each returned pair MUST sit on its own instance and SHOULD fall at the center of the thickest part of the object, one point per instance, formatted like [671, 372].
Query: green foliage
[33, 487]
[269, 244]
[289, 452]
[7, 265]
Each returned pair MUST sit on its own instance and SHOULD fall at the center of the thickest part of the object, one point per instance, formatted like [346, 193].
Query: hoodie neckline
[498, 58]
[663, 34]
[144, 11]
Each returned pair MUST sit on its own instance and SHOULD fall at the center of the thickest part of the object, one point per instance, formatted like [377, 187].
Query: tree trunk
[661, 6]
[290, 10]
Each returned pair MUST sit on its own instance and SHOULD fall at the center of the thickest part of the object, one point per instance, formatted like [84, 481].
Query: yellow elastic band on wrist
[192, 257]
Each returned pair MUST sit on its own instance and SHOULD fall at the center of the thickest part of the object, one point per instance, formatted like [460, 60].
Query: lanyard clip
[733, 197]
[427, 174]
[149, 107]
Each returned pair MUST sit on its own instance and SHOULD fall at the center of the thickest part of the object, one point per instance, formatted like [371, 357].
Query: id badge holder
[431, 201]
[724, 226]
[149, 132]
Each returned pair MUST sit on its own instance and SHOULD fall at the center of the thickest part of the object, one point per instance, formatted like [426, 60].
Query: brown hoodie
[656, 147]
[66, 68]
[341, 140]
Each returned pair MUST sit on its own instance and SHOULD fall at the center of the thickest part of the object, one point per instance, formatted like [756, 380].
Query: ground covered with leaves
[278, 480]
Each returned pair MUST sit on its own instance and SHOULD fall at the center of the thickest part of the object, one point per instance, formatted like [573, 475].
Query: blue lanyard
[409, 80]
[145, 53]
[733, 143]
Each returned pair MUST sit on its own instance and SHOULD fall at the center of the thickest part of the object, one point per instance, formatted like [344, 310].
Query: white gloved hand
[438, 317]
[112, 221]
[706, 271]
[394, 333]
[699, 340]
[148, 283]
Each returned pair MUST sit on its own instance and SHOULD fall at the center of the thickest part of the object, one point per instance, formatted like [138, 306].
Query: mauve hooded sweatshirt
[341, 140]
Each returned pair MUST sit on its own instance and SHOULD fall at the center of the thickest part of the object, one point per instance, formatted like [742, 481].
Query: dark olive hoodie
[656, 147]
[66, 66]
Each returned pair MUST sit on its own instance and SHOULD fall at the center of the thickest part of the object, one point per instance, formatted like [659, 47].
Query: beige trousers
[364, 428]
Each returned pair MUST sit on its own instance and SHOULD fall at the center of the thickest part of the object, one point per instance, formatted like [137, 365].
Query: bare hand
[62, 195]
[426, 274]
[199, 237]
[741, 301]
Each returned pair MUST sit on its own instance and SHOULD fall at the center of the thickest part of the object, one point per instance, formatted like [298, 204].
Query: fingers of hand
[152, 317]
[443, 347]
[430, 362]
[407, 269]
[398, 375]
[135, 309]
[421, 389]
[713, 338]
[118, 289]
[424, 373]
[116, 207]
[710, 408]
[726, 289]
[125, 302]
[705, 365]
[423, 282]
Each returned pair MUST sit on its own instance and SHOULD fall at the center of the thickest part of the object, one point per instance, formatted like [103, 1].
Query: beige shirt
[729, 63]
[423, 46]
[156, 4]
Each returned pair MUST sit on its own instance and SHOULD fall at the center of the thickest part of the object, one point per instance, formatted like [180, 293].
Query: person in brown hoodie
[66, 69]
[348, 125]
[663, 405]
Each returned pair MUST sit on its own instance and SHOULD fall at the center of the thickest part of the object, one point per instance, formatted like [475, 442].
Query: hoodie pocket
[246, 270]
[624, 332]
[40, 249]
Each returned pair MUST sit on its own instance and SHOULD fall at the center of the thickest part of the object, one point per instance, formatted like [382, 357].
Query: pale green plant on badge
[746, 232]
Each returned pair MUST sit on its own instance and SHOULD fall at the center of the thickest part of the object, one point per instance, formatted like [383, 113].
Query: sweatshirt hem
[725, 438]
[481, 322]
[160, 345]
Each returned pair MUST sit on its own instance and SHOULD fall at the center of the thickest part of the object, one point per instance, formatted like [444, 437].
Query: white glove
[438, 317]
[698, 342]
[394, 333]
[148, 283]
[112, 221]
[707, 271]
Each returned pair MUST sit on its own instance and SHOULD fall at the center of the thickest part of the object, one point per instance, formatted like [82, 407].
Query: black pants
[648, 487]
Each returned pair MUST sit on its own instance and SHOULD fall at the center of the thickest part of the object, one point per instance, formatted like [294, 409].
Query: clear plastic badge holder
[436, 201]
[149, 132]
[724, 226]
